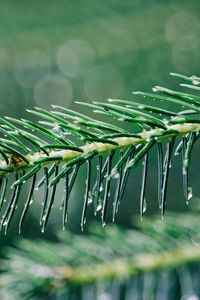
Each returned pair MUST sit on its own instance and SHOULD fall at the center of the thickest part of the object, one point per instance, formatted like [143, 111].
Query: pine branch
[46, 270]
[63, 140]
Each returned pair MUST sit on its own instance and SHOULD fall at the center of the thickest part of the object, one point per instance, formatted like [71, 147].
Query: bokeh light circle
[74, 57]
[53, 89]
[31, 66]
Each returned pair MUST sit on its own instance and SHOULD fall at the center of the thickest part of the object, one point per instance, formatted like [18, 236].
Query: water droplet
[101, 188]
[90, 199]
[99, 206]
[195, 82]
[141, 106]
[5, 223]
[116, 175]
[190, 193]
[36, 189]
[42, 229]
[104, 224]
[144, 206]
[43, 218]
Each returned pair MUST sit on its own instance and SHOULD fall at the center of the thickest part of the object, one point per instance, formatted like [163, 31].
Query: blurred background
[57, 52]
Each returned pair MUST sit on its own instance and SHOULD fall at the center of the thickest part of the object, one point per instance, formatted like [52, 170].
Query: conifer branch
[63, 140]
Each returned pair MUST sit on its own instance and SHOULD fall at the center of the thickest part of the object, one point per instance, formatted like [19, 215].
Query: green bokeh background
[61, 51]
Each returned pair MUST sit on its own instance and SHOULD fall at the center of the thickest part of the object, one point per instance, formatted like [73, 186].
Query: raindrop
[99, 207]
[195, 82]
[5, 223]
[116, 175]
[43, 218]
[190, 193]
[144, 206]
[90, 199]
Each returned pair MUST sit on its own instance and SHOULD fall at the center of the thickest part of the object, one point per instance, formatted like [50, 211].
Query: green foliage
[157, 259]
[67, 139]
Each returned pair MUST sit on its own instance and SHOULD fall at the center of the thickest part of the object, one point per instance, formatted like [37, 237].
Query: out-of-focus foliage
[57, 52]
[158, 260]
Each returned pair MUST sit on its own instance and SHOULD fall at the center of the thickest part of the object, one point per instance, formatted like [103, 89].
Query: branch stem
[66, 155]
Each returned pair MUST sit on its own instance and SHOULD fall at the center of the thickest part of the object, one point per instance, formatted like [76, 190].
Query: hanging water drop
[90, 198]
[116, 176]
[144, 206]
[31, 201]
[101, 188]
[190, 193]
[99, 206]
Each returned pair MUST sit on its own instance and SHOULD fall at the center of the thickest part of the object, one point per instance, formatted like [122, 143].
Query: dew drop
[141, 106]
[190, 193]
[116, 176]
[5, 223]
[101, 188]
[195, 82]
[43, 218]
[90, 199]
[144, 206]
[99, 206]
